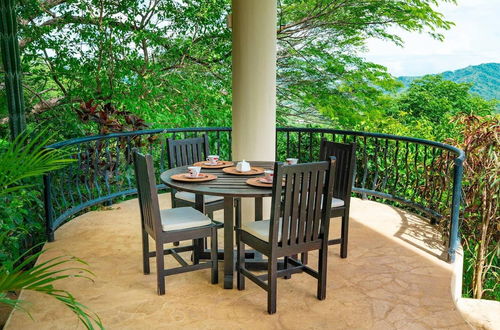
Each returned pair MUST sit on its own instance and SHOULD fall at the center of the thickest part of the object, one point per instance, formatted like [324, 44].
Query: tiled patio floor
[393, 279]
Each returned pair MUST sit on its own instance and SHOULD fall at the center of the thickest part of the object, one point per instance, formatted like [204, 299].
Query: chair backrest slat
[311, 210]
[294, 204]
[303, 205]
[302, 210]
[148, 195]
[187, 151]
[346, 158]
[319, 204]
[287, 211]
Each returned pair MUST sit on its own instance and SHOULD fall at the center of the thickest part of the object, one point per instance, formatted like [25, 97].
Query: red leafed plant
[109, 118]
[101, 159]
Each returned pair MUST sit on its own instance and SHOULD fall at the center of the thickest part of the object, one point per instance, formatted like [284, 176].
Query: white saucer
[264, 181]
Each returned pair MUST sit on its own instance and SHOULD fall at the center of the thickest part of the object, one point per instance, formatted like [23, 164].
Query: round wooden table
[229, 186]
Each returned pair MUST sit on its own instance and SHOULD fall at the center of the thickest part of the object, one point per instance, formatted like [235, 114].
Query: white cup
[292, 161]
[194, 171]
[213, 159]
[268, 175]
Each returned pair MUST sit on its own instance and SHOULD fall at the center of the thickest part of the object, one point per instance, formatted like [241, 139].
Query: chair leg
[196, 248]
[205, 239]
[213, 256]
[174, 205]
[322, 268]
[285, 266]
[304, 258]
[240, 262]
[145, 252]
[272, 269]
[344, 235]
[160, 268]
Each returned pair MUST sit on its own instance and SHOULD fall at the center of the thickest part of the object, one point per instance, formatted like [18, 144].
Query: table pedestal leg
[258, 208]
[198, 243]
[258, 216]
[228, 242]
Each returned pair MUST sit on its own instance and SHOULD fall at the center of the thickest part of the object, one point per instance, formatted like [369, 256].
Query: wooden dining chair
[341, 201]
[185, 152]
[170, 225]
[300, 217]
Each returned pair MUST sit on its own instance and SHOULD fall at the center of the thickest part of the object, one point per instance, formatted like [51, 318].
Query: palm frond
[41, 278]
[27, 157]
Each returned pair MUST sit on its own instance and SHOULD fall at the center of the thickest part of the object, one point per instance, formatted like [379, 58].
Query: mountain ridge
[485, 79]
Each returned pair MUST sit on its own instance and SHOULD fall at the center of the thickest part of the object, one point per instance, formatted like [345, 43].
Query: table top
[225, 185]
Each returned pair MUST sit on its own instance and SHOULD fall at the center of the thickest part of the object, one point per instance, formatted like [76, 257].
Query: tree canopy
[169, 61]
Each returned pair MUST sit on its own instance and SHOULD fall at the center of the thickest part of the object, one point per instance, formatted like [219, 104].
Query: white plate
[264, 180]
[210, 164]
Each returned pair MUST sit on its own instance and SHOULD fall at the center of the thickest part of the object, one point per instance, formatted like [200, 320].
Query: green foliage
[21, 163]
[480, 228]
[169, 61]
[21, 222]
[165, 61]
[426, 110]
[437, 100]
[484, 78]
[25, 158]
[492, 277]
[17, 275]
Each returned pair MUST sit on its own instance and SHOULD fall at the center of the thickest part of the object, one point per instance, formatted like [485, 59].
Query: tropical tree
[434, 98]
[430, 105]
[169, 61]
[12, 65]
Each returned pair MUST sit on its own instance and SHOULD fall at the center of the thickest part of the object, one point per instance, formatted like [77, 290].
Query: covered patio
[397, 274]
[395, 277]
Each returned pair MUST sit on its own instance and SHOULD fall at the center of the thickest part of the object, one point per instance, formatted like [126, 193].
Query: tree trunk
[477, 290]
[12, 66]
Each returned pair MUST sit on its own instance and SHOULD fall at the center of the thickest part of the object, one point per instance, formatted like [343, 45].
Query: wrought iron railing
[423, 175]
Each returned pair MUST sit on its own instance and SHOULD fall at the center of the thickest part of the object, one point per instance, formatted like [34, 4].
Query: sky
[474, 39]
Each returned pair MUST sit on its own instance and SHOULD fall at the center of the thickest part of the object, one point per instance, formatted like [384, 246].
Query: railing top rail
[69, 142]
[459, 153]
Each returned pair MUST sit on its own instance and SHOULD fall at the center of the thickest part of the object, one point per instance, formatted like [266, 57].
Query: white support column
[254, 85]
[254, 79]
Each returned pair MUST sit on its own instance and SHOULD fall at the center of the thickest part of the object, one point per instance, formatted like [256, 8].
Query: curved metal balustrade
[423, 175]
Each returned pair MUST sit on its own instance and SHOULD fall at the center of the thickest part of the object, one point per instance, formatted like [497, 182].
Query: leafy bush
[480, 229]
[22, 223]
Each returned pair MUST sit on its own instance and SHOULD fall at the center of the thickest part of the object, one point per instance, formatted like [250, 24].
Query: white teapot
[243, 166]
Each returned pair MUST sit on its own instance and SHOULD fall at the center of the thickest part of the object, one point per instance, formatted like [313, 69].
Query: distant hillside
[485, 79]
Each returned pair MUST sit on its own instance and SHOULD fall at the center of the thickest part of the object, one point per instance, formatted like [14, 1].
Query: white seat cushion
[260, 229]
[337, 202]
[182, 218]
[190, 197]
